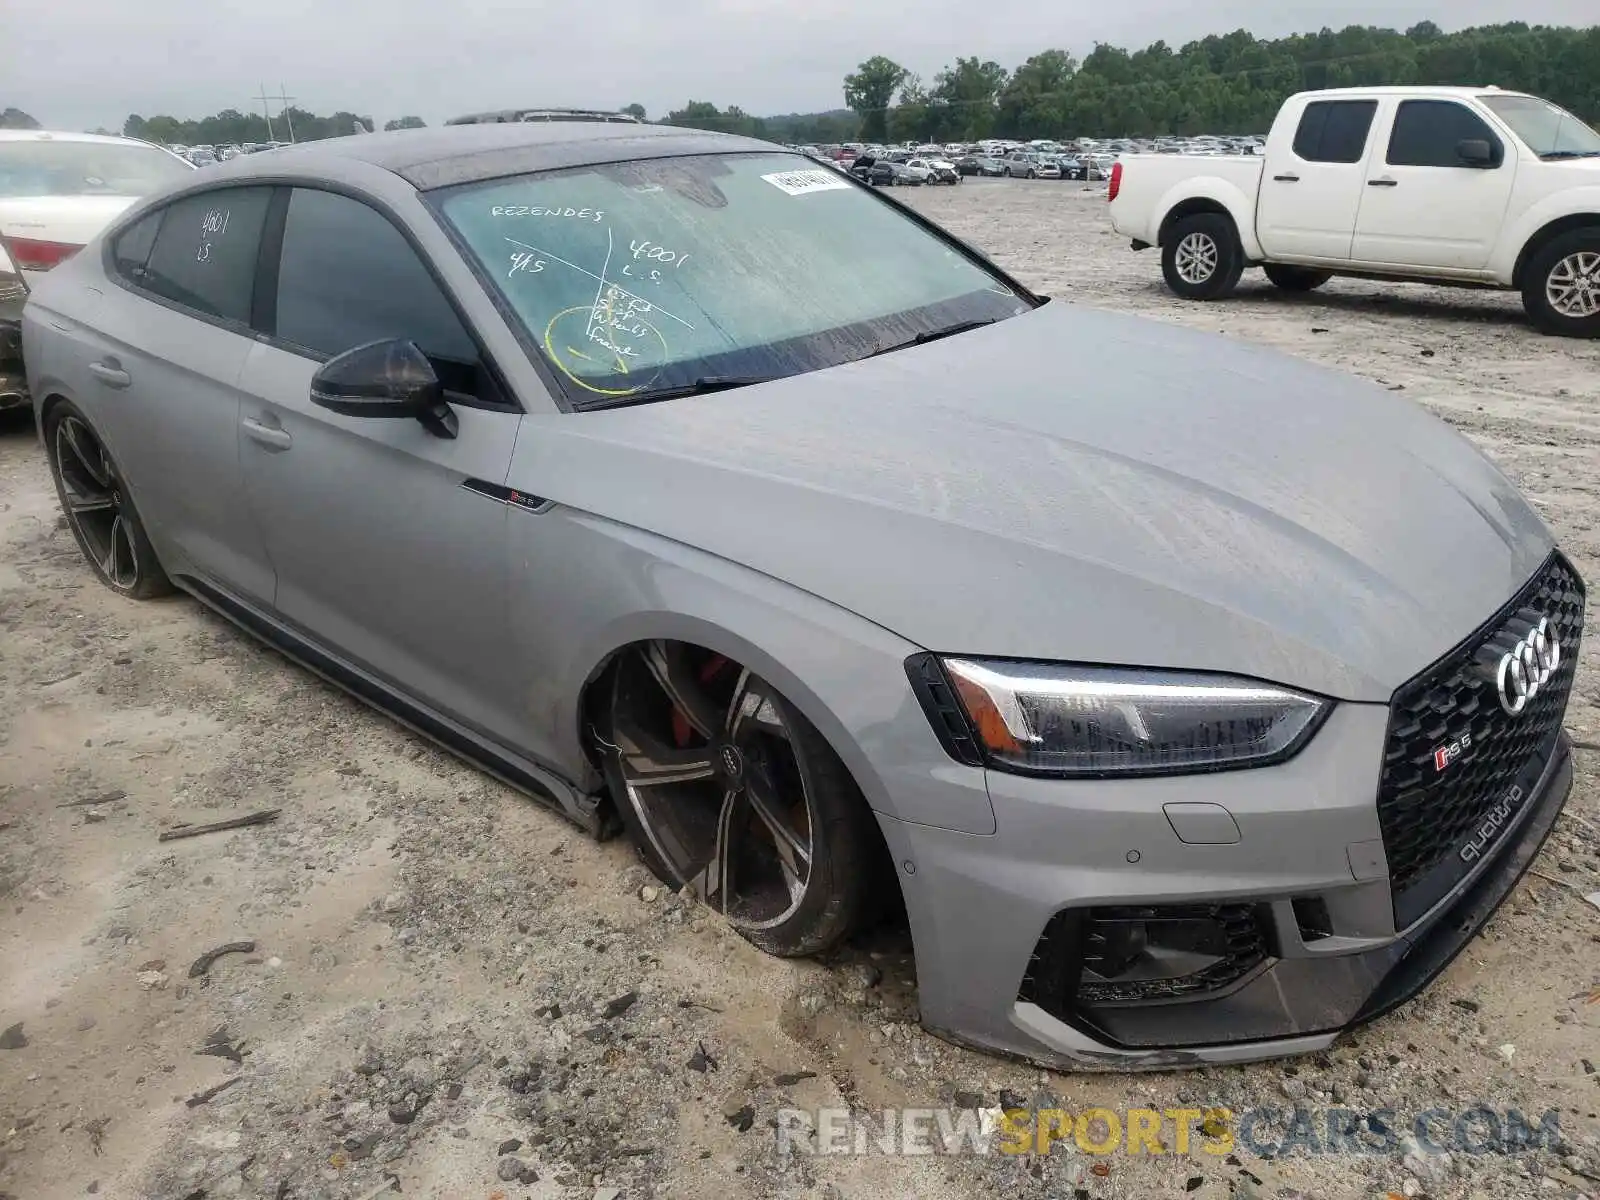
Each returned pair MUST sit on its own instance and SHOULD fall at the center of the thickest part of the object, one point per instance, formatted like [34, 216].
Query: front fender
[1238, 203]
[584, 587]
[1566, 203]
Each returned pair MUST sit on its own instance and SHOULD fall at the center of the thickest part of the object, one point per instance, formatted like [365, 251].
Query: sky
[77, 64]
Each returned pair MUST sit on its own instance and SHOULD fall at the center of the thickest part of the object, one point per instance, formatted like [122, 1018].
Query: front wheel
[1561, 287]
[728, 792]
[98, 508]
[1033, 174]
[1296, 279]
[1201, 257]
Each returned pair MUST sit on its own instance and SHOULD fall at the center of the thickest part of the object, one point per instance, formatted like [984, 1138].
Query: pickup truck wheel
[1202, 258]
[1296, 279]
[1561, 289]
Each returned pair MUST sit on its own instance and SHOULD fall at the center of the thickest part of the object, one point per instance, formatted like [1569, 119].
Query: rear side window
[1426, 133]
[1334, 131]
[132, 248]
[204, 256]
[347, 276]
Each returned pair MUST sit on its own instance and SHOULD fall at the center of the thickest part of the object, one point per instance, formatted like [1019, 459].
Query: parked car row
[207, 155]
[913, 172]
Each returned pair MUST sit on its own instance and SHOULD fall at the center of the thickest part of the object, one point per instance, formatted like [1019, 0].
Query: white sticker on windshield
[798, 183]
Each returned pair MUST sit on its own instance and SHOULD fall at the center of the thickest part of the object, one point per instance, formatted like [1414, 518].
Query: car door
[167, 348]
[1423, 204]
[1311, 188]
[389, 540]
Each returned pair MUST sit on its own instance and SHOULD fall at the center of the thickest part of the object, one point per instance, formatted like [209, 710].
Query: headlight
[1053, 719]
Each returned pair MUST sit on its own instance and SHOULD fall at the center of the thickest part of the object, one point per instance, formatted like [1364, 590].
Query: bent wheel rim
[94, 501]
[1573, 285]
[716, 779]
[1196, 258]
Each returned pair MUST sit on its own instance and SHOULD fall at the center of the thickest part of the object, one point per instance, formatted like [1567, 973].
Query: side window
[131, 250]
[204, 255]
[1426, 133]
[1334, 131]
[347, 276]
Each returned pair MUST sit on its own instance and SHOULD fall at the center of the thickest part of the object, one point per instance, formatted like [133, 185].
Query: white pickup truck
[1474, 187]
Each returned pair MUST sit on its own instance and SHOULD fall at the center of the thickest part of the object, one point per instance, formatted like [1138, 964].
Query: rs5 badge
[1448, 753]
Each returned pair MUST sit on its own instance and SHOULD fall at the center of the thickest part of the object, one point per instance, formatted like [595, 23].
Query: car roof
[1456, 93]
[452, 154]
[51, 135]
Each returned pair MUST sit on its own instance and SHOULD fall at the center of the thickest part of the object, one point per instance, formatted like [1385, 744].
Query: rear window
[48, 168]
[1335, 131]
[205, 251]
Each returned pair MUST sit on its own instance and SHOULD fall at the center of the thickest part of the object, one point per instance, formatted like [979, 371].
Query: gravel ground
[452, 993]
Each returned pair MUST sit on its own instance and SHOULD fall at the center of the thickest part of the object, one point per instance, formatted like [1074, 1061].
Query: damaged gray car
[1195, 713]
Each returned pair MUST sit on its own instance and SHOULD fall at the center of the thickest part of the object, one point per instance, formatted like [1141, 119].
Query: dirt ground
[437, 998]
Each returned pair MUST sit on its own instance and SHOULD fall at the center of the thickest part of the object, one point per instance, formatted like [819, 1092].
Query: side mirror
[1475, 152]
[390, 378]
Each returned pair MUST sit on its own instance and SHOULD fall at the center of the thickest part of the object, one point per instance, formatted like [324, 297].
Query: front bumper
[1307, 872]
[981, 910]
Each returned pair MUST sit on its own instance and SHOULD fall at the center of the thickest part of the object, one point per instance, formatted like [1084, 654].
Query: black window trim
[1372, 102]
[1497, 142]
[108, 258]
[431, 198]
[262, 304]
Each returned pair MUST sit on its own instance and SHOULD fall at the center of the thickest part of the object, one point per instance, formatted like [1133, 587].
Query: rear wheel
[1202, 258]
[1561, 285]
[729, 792]
[98, 508]
[1296, 279]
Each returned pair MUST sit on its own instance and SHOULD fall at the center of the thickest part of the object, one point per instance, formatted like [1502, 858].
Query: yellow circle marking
[621, 360]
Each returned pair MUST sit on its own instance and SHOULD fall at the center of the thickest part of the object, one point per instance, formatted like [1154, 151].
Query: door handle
[1286, 179]
[270, 436]
[1383, 183]
[110, 374]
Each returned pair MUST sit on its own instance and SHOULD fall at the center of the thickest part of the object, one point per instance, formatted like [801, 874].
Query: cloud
[75, 64]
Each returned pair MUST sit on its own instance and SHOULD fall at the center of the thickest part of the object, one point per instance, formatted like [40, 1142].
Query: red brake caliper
[682, 731]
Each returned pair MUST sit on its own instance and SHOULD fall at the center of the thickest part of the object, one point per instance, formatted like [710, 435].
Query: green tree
[635, 110]
[969, 91]
[15, 118]
[1033, 97]
[404, 123]
[868, 91]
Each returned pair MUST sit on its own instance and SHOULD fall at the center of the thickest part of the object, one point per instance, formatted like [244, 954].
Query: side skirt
[538, 782]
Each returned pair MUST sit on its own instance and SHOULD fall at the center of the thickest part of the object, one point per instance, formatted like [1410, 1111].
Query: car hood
[1201, 504]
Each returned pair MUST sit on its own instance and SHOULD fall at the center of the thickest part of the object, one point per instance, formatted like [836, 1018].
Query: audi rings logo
[1527, 667]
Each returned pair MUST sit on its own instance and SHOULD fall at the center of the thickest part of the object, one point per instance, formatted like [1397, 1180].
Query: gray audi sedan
[1195, 713]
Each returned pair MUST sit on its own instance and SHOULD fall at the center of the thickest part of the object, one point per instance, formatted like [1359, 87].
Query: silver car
[1196, 713]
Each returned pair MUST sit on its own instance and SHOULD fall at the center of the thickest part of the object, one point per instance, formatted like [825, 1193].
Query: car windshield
[50, 168]
[1548, 131]
[645, 277]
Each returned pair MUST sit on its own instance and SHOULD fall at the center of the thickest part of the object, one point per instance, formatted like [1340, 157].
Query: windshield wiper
[933, 335]
[1552, 154]
[702, 386]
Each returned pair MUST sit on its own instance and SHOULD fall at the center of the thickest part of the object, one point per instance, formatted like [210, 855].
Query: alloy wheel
[717, 780]
[1196, 259]
[94, 501]
[1573, 285]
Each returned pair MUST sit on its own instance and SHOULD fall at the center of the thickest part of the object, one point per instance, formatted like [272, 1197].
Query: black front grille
[1430, 808]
